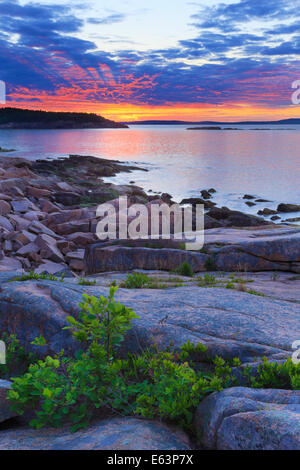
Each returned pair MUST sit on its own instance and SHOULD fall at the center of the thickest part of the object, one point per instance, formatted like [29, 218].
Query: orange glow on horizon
[73, 101]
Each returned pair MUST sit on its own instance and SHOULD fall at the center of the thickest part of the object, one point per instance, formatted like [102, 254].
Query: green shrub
[142, 281]
[102, 321]
[282, 375]
[254, 292]
[17, 358]
[86, 282]
[34, 276]
[185, 269]
[136, 281]
[210, 264]
[208, 280]
[166, 385]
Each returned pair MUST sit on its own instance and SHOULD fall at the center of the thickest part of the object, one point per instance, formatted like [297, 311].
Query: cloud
[229, 15]
[110, 19]
[44, 58]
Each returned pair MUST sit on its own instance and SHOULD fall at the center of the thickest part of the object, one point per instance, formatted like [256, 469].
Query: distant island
[15, 118]
[205, 128]
[291, 121]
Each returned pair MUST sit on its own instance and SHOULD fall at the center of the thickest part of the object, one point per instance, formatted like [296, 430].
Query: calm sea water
[264, 163]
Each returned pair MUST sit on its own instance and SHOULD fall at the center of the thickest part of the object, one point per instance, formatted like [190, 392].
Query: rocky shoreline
[47, 224]
[48, 211]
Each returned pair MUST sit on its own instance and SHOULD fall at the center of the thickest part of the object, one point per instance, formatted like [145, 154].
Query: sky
[163, 59]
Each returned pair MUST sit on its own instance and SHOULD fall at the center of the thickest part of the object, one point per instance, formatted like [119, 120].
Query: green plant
[136, 281]
[254, 292]
[210, 264]
[17, 358]
[102, 320]
[278, 375]
[166, 385]
[34, 276]
[142, 281]
[208, 280]
[185, 269]
[86, 282]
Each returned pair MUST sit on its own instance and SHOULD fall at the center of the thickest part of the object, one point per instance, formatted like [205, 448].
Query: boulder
[230, 323]
[67, 198]
[37, 192]
[288, 208]
[49, 207]
[34, 215]
[49, 267]
[81, 239]
[196, 200]
[248, 419]
[20, 223]
[227, 250]
[111, 434]
[49, 249]
[5, 207]
[24, 237]
[28, 249]
[267, 211]
[68, 228]
[5, 411]
[8, 264]
[61, 217]
[22, 172]
[62, 186]
[65, 246]
[37, 228]
[5, 197]
[209, 222]
[23, 205]
[7, 245]
[121, 258]
[76, 260]
[13, 187]
[231, 218]
[5, 224]
[293, 219]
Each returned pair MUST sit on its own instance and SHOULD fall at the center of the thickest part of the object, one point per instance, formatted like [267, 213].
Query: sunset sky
[161, 59]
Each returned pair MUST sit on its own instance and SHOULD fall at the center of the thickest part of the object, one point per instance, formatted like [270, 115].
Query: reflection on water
[262, 163]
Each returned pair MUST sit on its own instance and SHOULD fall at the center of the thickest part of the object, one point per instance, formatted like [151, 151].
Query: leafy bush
[142, 281]
[282, 375]
[210, 264]
[17, 359]
[102, 320]
[185, 269]
[208, 280]
[166, 385]
[136, 281]
[154, 384]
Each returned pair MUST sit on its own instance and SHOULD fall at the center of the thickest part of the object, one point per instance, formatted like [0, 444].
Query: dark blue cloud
[230, 15]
